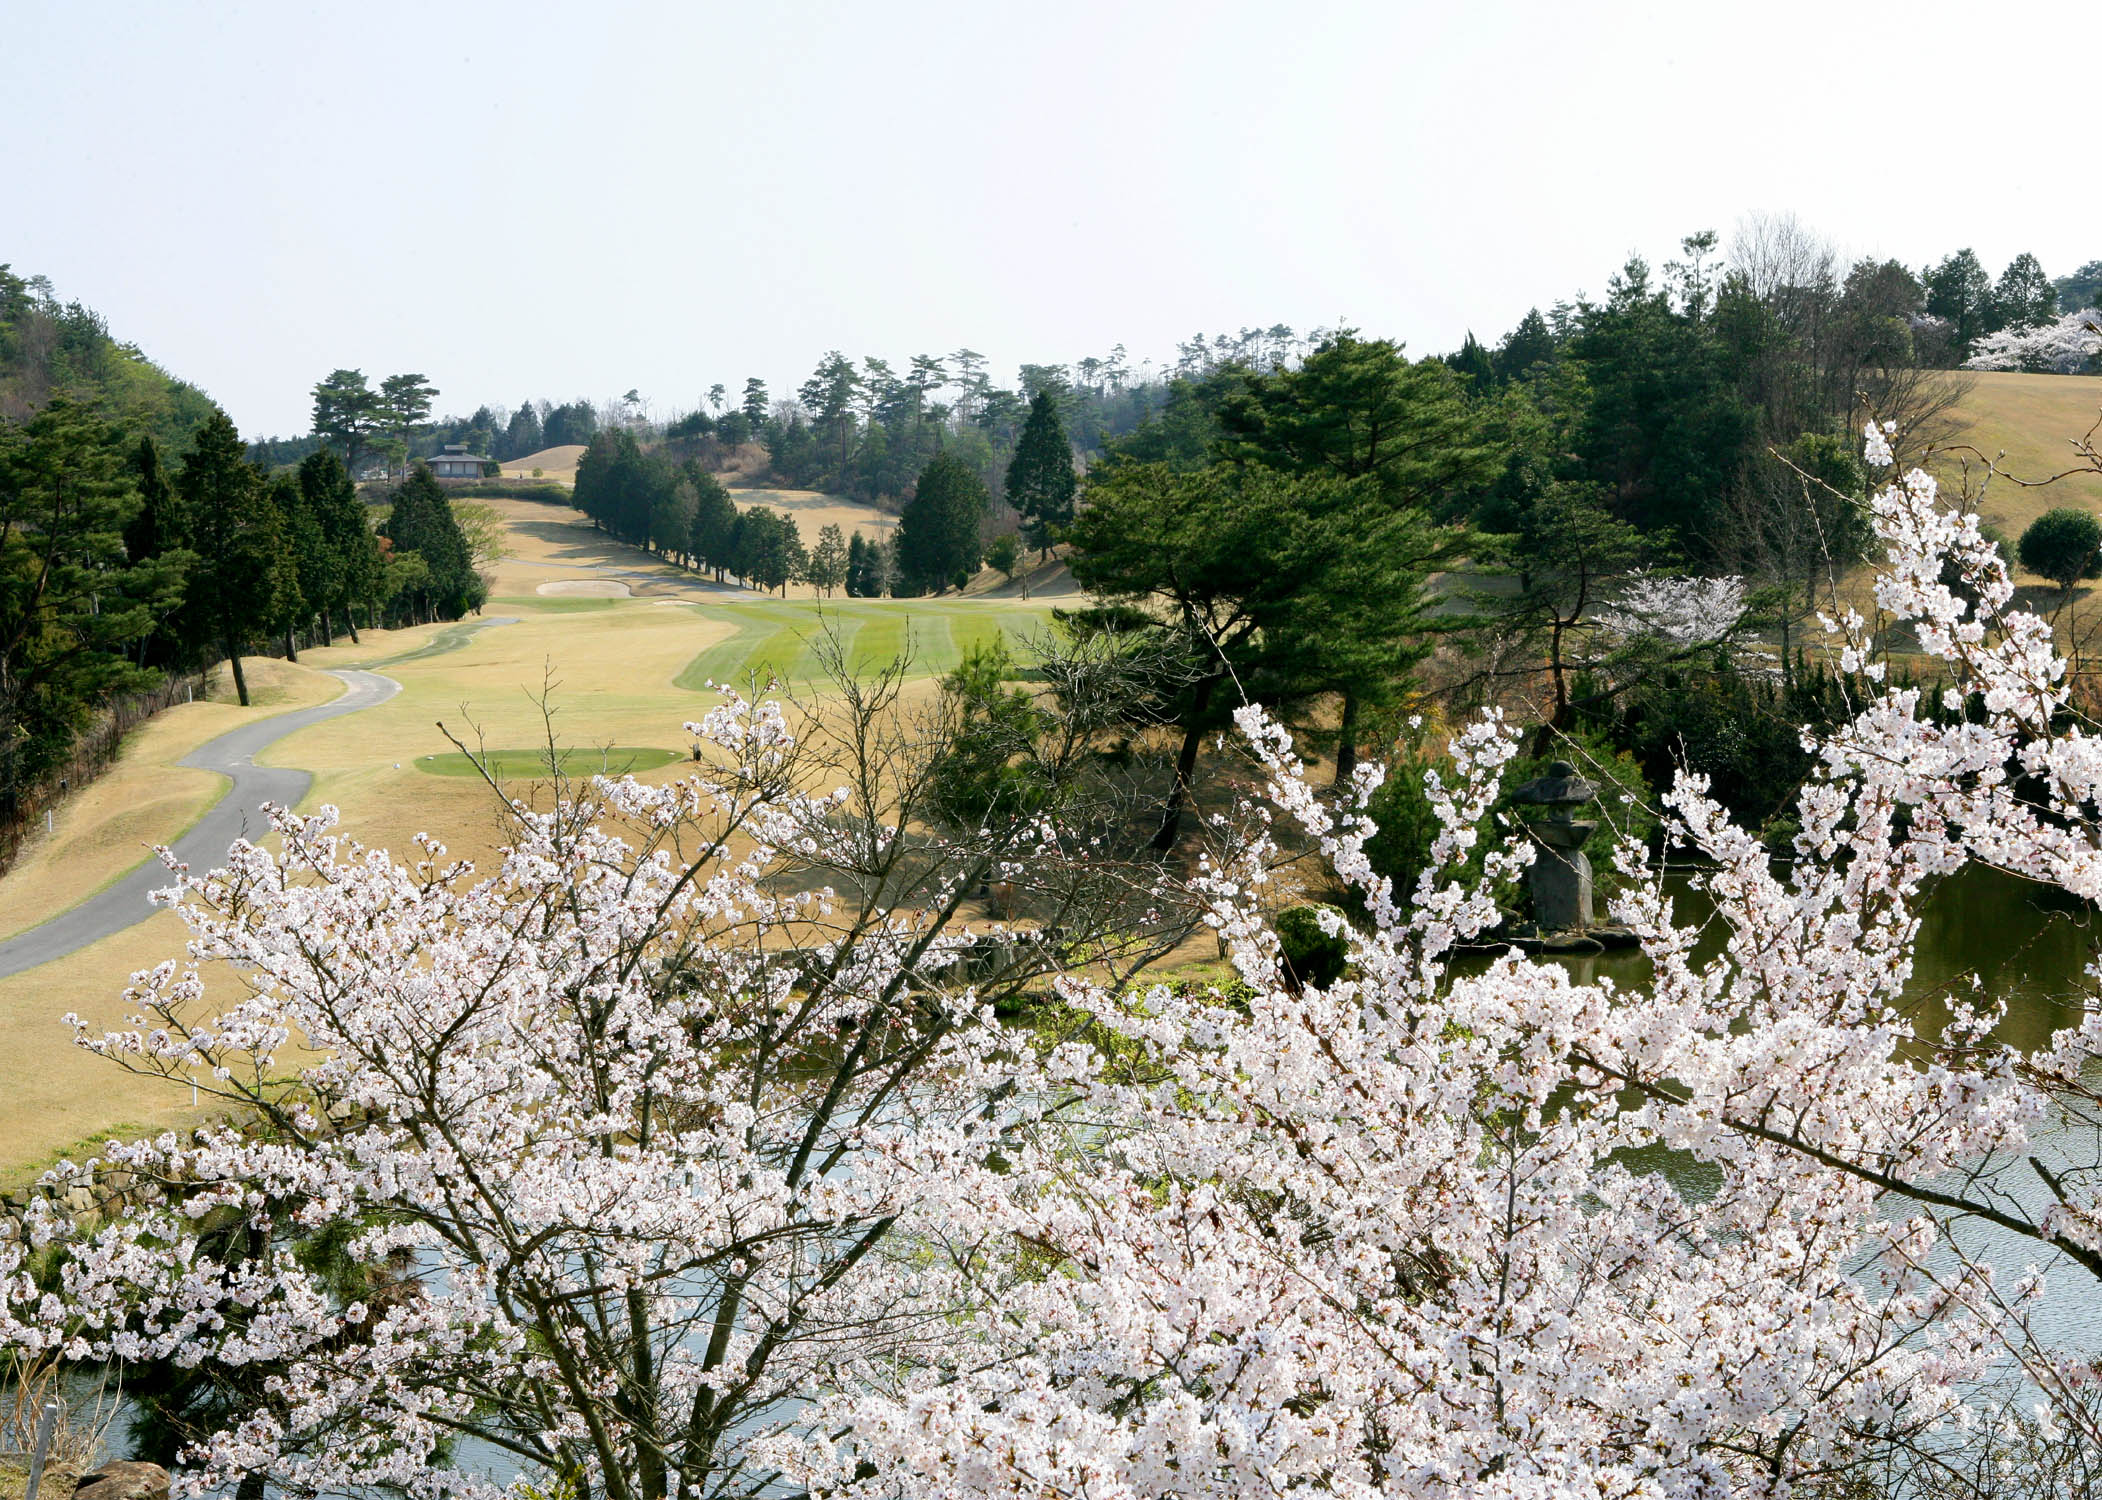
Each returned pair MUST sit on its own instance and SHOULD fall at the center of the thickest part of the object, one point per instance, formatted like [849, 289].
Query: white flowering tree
[1682, 614]
[658, 1150]
[2067, 346]
[1408, 1235]
[609, 1143]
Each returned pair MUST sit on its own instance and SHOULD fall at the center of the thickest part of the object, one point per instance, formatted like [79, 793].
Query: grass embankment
[2026, 425]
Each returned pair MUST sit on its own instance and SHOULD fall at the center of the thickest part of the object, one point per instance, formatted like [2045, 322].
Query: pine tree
[1040, 482]
[828, 561]
[354, 553]
[423, 523]
[404, 402]
[346, 414]
[237, 592]
[937, 537]
[73, 607]
[713, 539]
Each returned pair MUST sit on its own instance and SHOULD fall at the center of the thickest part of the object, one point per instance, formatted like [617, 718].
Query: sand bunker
[585, 588]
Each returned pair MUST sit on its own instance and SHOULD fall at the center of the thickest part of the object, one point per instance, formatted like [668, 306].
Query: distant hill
[50, 348]
[559, 462]
[2032, 420]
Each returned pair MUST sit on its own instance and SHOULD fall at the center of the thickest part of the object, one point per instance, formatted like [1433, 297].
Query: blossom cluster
[700, 1184]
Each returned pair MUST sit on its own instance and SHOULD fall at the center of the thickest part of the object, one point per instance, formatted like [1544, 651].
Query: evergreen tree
[1530, 344]
[405, 402]
[423, 523]
[238, 589]
[157, 529]
[1664, 428]
[937, 537]
[73, 606]
[347, 413]
[1473, 365]
[755, 406]
[356, 568]
[1278, 587]
[305, 564]
[1959, 292]
[860, 565]
[769, 549]
[1356, 408]
[828, 561]
[1040, 482]
[2023, 297]
[522, 435]
[713, 540]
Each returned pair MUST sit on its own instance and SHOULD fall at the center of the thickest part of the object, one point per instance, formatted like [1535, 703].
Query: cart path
[238, 813]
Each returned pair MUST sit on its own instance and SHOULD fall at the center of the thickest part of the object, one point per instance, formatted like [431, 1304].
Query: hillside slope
[50, 348]
[2026, 424]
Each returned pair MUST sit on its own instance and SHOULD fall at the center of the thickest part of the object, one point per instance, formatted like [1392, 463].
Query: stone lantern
[1560, 878]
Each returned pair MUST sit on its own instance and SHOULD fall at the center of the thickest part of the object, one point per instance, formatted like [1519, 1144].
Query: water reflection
[2028, 945]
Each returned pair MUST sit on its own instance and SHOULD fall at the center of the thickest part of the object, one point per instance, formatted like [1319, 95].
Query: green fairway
[779, 638]
[516, 764]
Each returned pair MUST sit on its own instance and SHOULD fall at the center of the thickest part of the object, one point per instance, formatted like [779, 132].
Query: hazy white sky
[526, 200]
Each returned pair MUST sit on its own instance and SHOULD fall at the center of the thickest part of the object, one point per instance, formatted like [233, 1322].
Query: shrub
[2063, 545]
[1311, 953]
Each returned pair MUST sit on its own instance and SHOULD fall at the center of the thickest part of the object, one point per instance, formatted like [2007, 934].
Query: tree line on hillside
[119, 569]
[1612, 494]
[50, 347]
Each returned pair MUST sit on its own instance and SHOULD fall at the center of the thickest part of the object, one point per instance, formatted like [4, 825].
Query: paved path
[237, 814]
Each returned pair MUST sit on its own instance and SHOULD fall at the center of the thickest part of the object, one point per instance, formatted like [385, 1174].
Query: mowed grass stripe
[779, 638]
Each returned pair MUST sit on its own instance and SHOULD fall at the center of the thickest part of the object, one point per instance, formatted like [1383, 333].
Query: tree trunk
[1185, 770]
[233, 657]
[1347, 741]
[328, 630]
[291, 652]
[350, 618]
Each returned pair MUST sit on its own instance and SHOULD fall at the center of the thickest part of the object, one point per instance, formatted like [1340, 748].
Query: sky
[523, 200]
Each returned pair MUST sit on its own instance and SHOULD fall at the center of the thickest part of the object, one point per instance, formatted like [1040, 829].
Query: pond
[2029, 945]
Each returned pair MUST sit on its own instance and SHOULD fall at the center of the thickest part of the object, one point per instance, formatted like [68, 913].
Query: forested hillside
[139, 546]
[49, 348]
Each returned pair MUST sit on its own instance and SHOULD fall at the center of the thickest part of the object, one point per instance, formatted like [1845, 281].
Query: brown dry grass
[558, 463]
[145, 799]
[2025, 425]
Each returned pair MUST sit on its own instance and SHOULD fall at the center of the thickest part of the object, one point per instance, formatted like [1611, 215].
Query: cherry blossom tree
[2066, 346]
[666, 1141]
[1407, 1235]
[613, 1139]
[1679, 613]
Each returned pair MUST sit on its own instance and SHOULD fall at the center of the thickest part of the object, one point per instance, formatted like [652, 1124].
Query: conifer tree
[237, 592]
[354, 551]
[312, 563]
[72, 606]
[158, 530]
[714, 538]
[1040, 482]
[423, 523]
[859, 567]
[937, 537]
[347, 414]
[828, 560]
